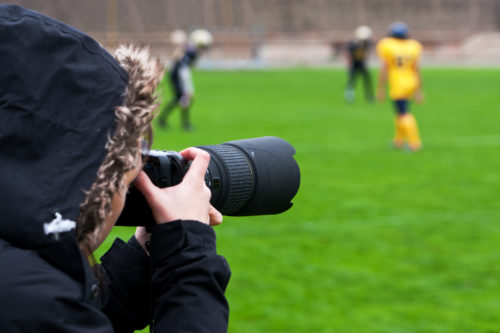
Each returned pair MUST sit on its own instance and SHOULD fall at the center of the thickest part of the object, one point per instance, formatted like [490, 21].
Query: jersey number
[402, 60]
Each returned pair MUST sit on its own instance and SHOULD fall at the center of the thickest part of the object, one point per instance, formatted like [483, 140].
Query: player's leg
[400, 135]
[186, 124]
[351, 84]
[367, 80]
[407, 127]
[185, 102]
[167, 110]
[413, 135]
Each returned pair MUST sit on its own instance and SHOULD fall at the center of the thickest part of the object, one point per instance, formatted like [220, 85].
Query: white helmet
[363, 32]
[178, 37]
[201, 38]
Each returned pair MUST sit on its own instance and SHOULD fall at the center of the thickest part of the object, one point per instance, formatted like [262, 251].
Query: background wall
[267, 32]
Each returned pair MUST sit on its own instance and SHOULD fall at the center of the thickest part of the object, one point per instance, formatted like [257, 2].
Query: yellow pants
[406, 129]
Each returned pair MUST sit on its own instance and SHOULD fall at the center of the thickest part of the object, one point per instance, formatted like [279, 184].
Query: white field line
[436, 142]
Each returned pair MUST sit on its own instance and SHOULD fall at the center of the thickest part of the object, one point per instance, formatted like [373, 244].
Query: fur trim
[144, 71]
[133, 122]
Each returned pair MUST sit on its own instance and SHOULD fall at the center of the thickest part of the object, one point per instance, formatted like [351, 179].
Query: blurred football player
[400, 58]
[180, 74]
[357, 57]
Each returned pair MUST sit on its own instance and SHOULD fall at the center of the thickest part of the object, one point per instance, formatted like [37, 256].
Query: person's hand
[419, 97]
[185, 100]
[189, 200]
[380, 94]
[142, 237]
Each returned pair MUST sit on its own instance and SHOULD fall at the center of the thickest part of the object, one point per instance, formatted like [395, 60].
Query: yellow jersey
[402, 57]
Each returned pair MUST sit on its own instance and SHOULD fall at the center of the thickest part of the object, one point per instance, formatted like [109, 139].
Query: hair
[133, 122]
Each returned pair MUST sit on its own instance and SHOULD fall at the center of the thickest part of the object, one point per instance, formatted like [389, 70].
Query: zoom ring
[240, 182]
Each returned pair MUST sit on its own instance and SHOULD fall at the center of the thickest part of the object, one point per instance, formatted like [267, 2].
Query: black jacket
[187, 287]
[58, 92]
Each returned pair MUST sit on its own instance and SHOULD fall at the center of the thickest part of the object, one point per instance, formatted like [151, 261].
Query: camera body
[257, 176]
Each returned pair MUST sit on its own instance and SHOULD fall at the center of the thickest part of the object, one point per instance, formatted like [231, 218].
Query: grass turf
[378, 240]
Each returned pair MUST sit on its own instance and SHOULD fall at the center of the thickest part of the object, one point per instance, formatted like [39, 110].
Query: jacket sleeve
[126, 274]
[189, 279]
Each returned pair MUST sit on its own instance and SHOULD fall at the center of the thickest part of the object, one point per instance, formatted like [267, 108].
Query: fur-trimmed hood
[59, 92]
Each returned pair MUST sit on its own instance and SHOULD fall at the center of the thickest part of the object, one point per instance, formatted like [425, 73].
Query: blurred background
[378, 239]
[288, 32]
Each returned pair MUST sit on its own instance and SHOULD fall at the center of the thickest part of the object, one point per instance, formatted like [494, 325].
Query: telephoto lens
[257, 176]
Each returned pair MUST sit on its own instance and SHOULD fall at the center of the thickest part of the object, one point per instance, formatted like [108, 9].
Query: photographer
[72, 124]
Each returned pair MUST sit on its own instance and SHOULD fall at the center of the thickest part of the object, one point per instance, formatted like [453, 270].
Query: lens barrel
[257, 176]
[229, 177]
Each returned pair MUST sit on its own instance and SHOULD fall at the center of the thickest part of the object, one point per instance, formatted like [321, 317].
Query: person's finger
[215, 216]
[200, 160]
[145, 185]
[192, 152]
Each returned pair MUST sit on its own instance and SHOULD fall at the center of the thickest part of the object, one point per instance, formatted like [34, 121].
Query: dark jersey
[189, 57]
[187, 60]
[358, 52]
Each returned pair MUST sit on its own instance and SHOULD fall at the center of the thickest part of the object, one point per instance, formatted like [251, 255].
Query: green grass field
[378, 240]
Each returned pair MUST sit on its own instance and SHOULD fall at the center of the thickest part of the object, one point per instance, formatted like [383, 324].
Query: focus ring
[240, 177]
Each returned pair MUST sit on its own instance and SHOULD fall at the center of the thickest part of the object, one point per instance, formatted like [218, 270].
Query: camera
[257, 176]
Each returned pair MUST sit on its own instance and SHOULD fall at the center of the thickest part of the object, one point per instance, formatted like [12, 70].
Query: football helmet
[201, 38]
[398, 30]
